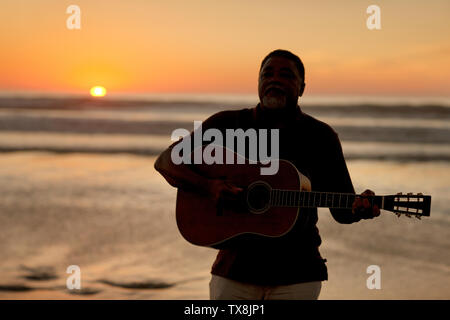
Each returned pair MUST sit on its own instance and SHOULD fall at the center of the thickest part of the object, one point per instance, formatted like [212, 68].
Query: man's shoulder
[319, 126]
[229, 117]
[232, 113]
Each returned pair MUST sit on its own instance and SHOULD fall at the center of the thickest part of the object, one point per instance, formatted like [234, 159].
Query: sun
[98, 91]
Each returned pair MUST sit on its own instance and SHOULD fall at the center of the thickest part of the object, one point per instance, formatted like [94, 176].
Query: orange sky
[216, 46]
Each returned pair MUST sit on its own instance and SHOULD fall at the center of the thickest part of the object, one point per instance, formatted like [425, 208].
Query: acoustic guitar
[269, 205]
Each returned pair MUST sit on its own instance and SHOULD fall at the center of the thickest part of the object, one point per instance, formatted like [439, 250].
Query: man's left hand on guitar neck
[362, 207]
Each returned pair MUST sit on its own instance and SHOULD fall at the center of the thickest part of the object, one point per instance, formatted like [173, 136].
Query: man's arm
[339, 180]
[183, 176]
[179, 175]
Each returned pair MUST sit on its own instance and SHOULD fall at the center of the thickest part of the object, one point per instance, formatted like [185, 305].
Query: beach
[90, 197]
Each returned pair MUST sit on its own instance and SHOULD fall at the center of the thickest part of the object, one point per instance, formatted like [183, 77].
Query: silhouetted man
[290, 266]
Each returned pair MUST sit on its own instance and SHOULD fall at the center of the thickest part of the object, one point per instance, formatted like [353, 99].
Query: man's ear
[301, 89]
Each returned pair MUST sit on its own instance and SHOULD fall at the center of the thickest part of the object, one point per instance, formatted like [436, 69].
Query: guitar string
[293, 198]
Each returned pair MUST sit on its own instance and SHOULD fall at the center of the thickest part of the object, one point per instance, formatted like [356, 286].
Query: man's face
[280, 83]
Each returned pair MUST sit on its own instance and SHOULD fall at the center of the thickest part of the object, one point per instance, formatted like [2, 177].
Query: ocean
[78, 187]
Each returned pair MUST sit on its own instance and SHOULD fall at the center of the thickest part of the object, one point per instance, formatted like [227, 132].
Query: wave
[403, 157]
[23, 123]
[381, 108]
[144, 126]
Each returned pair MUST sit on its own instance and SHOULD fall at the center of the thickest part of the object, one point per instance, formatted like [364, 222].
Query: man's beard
[274, 102]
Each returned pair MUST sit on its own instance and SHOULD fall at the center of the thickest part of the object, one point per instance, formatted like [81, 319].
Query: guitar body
[205, 223]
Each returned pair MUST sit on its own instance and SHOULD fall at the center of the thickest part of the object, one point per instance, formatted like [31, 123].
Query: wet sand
[113, 216]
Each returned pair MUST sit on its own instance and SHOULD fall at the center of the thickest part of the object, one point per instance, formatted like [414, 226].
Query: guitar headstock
[408, 204]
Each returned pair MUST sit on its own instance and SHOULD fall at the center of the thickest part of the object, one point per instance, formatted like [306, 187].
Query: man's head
[281, 80]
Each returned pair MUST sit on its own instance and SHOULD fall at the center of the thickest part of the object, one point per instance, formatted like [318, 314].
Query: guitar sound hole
[258, 197]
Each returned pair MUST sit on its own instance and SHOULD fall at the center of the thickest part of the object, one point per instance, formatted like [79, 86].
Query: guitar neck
[314, 199]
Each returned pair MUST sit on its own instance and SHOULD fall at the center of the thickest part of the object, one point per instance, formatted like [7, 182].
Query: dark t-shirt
[314, 148]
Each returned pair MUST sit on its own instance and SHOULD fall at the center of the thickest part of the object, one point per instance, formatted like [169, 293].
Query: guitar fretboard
[314, 199]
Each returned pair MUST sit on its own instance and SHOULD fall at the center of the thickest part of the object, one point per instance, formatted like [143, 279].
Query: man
[287, 267]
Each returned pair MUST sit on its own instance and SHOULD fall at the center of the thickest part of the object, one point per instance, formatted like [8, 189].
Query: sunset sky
[199, 46]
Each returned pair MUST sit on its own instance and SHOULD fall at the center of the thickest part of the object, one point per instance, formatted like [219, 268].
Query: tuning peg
[408, 215]
[418, 217]
[398, 214]
[420, 194]
[399, 193]
[409, 193]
